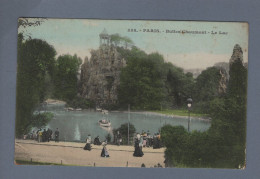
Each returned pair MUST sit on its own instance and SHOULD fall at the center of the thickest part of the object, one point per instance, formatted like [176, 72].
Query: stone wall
[100, 75]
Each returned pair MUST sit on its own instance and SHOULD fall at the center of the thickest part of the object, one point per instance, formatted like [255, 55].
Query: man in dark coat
[57, 134]
[49, 132]
[97, 141]
[44, 135]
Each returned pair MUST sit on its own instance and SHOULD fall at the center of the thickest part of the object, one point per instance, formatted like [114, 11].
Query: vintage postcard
[131, 93]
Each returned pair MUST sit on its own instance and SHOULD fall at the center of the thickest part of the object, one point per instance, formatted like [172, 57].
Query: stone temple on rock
[100, 75]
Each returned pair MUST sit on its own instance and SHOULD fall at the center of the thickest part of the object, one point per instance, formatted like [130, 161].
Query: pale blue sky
[79, 36]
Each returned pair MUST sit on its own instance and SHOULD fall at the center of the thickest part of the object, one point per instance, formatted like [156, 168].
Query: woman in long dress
[88, 143]
[138, 146]
[104, 152]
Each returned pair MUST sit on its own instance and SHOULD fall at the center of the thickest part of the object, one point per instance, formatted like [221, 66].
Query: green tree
[179, 85]
[223, 145]
[35, 60]
[141, 82]
[116, 39]
[39, 120]
[123, 129]
[206, 89]
[67, 69]
[207, 84]
[175, 140]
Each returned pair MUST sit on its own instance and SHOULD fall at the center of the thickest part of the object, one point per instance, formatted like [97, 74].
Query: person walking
[138, 146]
[49, 134]
[119, 138]
[88, 143]
[40, 136]
[104, 152]
[44, 135]
[57, 134]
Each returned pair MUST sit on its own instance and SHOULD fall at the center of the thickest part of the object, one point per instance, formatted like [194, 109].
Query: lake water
[76, 125]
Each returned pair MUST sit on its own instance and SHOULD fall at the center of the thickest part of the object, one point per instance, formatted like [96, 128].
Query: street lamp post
[189, 102]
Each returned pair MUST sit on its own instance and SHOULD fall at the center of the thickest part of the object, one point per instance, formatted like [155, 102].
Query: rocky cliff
[224, 68]
[237, 54]
[223, 81]
[100, 75]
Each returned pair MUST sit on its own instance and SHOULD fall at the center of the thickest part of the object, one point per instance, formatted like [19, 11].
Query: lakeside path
[72, 153]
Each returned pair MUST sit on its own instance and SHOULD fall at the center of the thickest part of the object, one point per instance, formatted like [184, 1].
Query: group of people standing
[104, 152]
[43, 135]
[146, 140]
[151, 140]
[141, 140]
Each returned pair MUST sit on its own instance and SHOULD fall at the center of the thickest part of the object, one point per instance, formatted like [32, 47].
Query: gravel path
[72, 153]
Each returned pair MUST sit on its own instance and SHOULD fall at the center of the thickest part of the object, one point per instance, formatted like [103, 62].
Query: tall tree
[36, 58]
[179, 85]
[141, 82]
[67, 70]
[223, 145]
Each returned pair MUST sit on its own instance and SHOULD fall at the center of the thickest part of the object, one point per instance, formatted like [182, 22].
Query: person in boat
[104, 152]
[88, 143]
[97, 141]
[138, 146]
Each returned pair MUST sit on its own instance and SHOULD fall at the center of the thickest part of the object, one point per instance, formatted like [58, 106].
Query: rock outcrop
[224, 68]
[222, 88]
[237, 55]
[100, 75]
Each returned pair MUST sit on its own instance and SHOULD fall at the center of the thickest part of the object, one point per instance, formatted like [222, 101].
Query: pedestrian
[49, 133]
[119, 138]
[104, 152]
[88, 143]
[155, 141]
[34, 135]
[97, 141]
[40, 136]
[138, 146]
[57, 134]
[44, 135]
[141, 143]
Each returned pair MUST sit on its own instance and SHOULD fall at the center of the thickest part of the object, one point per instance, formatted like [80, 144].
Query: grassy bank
[26, 162]
[180, 112]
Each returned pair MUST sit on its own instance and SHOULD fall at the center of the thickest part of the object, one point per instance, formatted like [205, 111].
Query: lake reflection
[76, 125]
